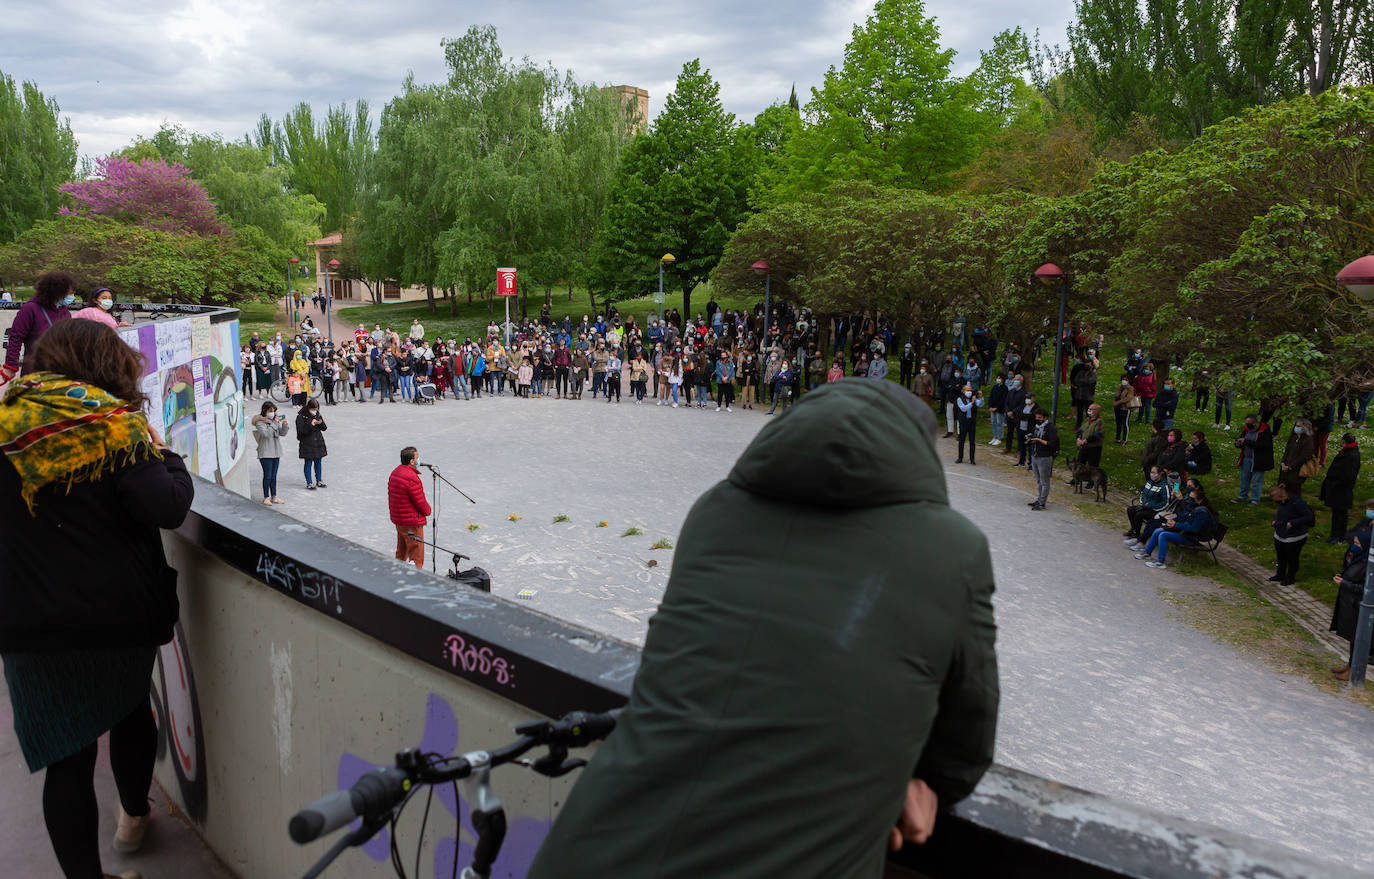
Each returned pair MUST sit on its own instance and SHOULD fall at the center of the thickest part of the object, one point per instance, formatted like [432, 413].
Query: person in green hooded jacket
[821, 668]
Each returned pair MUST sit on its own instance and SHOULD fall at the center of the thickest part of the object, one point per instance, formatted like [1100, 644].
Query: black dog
[1087, 476]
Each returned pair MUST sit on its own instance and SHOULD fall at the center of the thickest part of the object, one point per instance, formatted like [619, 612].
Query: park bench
[1208, 546]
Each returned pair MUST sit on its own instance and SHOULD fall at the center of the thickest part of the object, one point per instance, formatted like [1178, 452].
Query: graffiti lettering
[478, 660]
[308, 583]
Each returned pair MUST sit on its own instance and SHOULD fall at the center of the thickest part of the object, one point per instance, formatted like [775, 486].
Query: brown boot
[1343, 674]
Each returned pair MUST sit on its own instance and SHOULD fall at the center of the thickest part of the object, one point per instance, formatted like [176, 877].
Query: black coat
[1338, 488]
[1348, 597]
[1201, 454]
[1172, 459]
[88, 570]
[1263, 445]
[311, 436]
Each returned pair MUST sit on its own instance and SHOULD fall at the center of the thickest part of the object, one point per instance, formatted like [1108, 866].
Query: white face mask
[106, 304]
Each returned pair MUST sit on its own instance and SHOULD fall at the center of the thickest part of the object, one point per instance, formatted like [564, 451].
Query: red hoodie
[405, 495]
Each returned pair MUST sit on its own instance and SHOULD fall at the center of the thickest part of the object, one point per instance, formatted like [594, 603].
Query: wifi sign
[505, 282]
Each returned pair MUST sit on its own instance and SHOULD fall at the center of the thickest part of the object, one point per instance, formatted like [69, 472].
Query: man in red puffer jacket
[405, 496]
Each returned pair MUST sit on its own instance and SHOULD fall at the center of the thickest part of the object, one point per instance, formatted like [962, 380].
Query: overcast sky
[119, 70]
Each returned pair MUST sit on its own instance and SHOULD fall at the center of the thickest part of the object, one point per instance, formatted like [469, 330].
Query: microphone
[431, 467]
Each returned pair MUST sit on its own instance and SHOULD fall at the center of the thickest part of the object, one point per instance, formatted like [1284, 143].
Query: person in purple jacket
[54, 293]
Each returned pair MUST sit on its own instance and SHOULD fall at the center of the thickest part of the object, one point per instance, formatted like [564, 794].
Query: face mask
[1369, 514]
[106, 304]
[68, 300]
[923, 372]
[1125, 384]
[1297, 430]
[1168, 387]
[968, 394]
[1147, 372]
[958, 375]
[999, 381]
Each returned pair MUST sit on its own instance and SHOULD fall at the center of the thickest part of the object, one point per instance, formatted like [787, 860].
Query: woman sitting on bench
[1189, 530]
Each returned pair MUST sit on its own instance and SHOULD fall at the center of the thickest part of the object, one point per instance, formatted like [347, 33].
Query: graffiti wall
[191, 378]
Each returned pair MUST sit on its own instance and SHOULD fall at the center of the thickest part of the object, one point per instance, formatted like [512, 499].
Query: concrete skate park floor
[1103, 686]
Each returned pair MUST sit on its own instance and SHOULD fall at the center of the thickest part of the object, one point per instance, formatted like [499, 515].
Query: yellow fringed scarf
[55, 429]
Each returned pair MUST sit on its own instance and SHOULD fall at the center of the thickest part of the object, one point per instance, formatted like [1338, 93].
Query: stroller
[424, 393]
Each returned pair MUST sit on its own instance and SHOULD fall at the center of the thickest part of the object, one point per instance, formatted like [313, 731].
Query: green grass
[471, 320]
[1249, 527]
[264, 318]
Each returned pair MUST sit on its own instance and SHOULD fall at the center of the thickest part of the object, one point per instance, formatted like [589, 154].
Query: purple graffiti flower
[524, 836]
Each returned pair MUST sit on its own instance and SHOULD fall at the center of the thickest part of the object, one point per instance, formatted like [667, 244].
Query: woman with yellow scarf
[87, 596]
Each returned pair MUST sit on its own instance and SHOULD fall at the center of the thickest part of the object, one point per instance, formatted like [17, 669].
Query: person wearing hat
[907, 366]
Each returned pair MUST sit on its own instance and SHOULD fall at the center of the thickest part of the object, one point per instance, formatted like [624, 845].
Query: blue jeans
[1227, 405]
[460, 383]
[1250, 479]
[1145, 403]
[1162, 539]
[671, 386]
[316, 463]
[701, 395]
[269, 476]
[407, 386]
[599, 384]
[999, 423]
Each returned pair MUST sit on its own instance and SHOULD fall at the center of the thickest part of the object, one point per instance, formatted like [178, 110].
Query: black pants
[1203, 394]
[69, 806]
[1123, 424]
[328, 382]
[612, 386]
[1138, 516]
[1287, 554]
[727, 394]
[1340, 520]
[968, 430]
[1022, 451]
[1090, 456]
[1080, 411]
[478, 382]
[560, 379]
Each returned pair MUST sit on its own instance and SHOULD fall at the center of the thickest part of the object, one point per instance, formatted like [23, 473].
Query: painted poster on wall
[194, 399]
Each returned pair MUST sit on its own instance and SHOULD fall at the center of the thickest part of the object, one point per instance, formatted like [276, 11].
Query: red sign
[505, 282]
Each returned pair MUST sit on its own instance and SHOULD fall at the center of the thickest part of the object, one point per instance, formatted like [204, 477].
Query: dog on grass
[1087, 476]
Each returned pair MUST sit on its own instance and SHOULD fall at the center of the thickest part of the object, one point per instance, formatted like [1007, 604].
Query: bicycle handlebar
[379, 793]
[376, 793]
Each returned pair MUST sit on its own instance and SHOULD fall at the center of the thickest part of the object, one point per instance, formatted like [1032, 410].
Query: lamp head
[334, 263]
[667, 259]
[1049, 272]
[761, 267]
[1358, 278]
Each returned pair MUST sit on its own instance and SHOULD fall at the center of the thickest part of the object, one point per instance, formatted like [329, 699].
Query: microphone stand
[435, 478]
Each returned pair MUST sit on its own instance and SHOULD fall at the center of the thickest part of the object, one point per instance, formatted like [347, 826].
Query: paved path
[1104, 687]
[171, 849]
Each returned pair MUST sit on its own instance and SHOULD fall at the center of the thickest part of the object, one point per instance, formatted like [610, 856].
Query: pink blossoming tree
[147, 192]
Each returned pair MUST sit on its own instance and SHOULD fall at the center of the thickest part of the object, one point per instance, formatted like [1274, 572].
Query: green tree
[37, 155]
[892, 114]
[327, 159]
[148, 263]
[679, 189]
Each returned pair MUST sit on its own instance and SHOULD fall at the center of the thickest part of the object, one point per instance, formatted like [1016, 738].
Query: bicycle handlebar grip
[374, 794]
[589, 727]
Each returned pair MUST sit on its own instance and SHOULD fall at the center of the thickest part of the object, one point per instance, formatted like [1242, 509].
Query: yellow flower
[514, 518]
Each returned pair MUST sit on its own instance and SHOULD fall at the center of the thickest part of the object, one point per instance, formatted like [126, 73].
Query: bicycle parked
[279, 393]
[380, 796]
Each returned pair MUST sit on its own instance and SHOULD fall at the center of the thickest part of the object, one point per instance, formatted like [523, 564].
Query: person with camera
[405, 500]
[268, 429]
[966, 421]
[86, 596]
[310, 428]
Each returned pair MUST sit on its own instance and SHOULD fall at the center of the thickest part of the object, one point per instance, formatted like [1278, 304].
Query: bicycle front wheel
[278, 392]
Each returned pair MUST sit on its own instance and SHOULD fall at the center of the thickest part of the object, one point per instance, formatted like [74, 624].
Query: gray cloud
[121, 71]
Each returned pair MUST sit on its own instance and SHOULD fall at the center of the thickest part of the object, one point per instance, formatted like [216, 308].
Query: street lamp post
[666, 259]
[1358, 278]
[290, 270]
[1047, 273]
[761, 268]
[329, 298]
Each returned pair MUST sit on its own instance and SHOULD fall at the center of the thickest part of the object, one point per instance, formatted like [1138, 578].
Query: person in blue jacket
[1188, 528]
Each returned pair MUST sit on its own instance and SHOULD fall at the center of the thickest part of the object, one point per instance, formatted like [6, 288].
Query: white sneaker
[1140, 555]
[674, 405]
[717, 408]
[1131, 541]
[1216, 426]
[660, 402]
[728, 409]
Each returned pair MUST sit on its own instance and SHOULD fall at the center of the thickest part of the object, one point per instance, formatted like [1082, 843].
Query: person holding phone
[268, 429]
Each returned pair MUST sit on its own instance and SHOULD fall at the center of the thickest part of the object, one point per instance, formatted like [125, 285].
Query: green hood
[853, 443]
